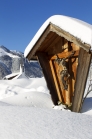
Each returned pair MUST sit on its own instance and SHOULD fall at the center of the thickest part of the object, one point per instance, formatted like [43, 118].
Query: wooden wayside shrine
[65, 63]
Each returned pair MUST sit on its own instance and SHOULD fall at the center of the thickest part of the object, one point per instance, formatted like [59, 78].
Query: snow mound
[25, 92]
[30, 99]
[38, 123]
[26, 111]
[33, 92]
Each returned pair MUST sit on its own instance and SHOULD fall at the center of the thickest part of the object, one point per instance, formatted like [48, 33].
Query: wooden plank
[69, 37]
[58, 69]
[60, 32]
[47, 42]
[64, 55]
[44, 62]
[81, 77]
[38, 43]
[69, 92]
[75, 47]
[56, 46]
[73, 72]
[55, 80]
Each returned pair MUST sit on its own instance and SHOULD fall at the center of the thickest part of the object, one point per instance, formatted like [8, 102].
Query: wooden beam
[44, 62]
[55, 80]
[47, 42]
[75, 47]
[60, 32]
[64, 55]
[81, 77]
[69, 37]
[55, 46]
[38, 43]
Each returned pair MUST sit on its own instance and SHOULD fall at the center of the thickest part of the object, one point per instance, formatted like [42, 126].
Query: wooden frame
[60, 32]
[82, 73]
[55, 42]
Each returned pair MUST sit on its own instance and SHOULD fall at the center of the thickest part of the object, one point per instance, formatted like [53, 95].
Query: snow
[26, 111]
[75, 27]
[21, 75]
[11, 75]
[18, 75]
[34, 123]
[3, 52]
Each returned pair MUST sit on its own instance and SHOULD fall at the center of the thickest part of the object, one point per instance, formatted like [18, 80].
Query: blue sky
[21, 19]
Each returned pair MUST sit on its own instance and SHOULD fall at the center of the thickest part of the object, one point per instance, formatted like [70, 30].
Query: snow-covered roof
[75, 27]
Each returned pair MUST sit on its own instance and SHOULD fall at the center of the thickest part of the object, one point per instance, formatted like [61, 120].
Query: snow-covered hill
[5, 51]
[10, 63]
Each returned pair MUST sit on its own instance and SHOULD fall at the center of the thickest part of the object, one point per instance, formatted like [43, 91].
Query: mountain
[10, 61]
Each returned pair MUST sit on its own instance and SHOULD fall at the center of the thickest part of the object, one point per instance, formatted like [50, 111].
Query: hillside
[10, 63]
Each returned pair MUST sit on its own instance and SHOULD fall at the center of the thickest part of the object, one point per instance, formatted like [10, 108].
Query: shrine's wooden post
[81, 78]
[44, 62]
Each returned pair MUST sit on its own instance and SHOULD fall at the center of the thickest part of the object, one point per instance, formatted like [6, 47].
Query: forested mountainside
[10, 61]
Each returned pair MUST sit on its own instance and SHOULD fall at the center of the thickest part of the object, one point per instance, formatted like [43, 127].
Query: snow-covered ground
[25, 92]
[26, 111]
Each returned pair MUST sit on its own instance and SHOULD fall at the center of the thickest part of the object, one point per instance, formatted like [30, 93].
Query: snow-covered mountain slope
[5, 51]
[10, 63]
[3, 70]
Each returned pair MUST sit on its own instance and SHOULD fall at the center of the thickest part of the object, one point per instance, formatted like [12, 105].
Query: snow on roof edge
[75, 27]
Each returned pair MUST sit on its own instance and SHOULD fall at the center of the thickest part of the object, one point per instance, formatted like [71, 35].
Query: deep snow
[26, 111]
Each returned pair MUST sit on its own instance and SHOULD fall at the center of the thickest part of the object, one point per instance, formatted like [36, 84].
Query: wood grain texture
[55, 80]
[64, 55]
[82, 72]
[50, 34]
[69, 37]
[42, 57]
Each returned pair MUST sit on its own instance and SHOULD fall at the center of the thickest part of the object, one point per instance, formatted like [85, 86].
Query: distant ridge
[10, 63]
